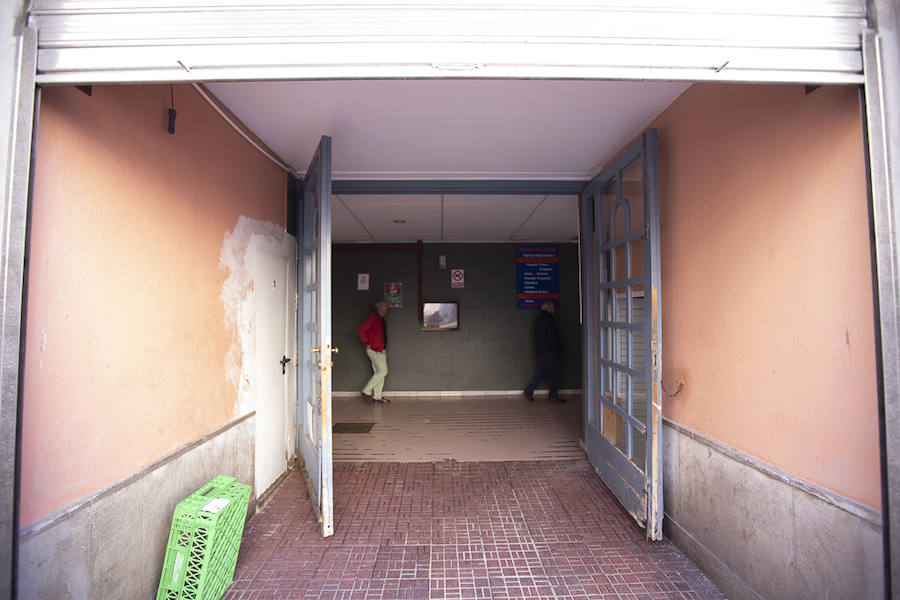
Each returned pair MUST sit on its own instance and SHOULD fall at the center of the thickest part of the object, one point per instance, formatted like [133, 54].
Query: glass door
[314, 332]
[621, 277]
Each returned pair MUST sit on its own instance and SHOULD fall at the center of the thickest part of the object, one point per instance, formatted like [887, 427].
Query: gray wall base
[112, 544]
[758, 533]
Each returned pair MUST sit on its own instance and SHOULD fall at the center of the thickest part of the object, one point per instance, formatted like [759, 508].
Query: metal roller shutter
[812, 41]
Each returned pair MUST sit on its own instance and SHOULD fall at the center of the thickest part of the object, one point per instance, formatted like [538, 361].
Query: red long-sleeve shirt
[371, 332]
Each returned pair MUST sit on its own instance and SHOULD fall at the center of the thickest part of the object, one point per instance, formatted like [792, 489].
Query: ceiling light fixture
[399, 220]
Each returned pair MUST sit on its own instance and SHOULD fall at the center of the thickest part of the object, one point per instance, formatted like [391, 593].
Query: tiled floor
[463, 428]
[499, 530]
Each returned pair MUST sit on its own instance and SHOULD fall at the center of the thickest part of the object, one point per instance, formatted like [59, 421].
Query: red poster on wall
[393, 294]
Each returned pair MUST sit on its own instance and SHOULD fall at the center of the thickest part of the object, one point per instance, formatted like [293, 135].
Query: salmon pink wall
[766, 279]
[126, 340]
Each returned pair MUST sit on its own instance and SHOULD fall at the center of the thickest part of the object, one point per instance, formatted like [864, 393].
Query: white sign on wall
[457, 278]
[362, 282]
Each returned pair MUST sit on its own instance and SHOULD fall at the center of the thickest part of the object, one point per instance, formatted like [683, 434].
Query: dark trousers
[550, 370]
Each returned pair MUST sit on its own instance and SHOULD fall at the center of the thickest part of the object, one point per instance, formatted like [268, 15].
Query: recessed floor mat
[352, 427]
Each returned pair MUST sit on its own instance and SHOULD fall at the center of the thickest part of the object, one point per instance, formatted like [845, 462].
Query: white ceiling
[451, 129]
[454, 217]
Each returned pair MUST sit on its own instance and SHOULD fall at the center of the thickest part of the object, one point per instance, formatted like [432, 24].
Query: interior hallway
[491, 528]
[462, 428]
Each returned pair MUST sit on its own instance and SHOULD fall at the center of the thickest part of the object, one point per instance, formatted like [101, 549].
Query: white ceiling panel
[344, 226]
[494, 202]
[555, 219]
[386, 218]
[411, 210]
[474, 234]
[378, 223]
[454, 218]
[488, 208]
[392, 199]
[398, 206]
[450, 129]
[455, 129]
[460, 202]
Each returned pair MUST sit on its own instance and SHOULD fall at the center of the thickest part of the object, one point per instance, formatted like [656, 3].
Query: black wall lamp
[172, 109]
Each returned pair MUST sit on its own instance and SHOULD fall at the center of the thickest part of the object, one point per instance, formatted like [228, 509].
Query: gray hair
[547, 304]
[380, 303]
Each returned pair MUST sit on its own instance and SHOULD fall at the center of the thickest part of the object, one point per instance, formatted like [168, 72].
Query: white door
[273, 368]
[314, 332]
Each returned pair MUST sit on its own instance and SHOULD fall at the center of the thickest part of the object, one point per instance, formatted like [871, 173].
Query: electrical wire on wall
[240, 130]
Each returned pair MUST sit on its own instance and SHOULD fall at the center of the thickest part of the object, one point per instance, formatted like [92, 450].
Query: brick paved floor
[448, 530]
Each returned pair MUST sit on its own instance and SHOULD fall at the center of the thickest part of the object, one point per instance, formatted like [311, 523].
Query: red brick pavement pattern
[502, 530]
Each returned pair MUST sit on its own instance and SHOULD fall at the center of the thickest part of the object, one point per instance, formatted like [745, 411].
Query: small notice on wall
[457, 278]
[362, 282]
[393, 294]
[538, 275]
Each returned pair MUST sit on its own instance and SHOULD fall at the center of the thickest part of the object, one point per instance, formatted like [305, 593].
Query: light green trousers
[375, 385]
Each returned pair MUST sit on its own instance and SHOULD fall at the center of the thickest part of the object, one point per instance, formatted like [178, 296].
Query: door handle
[315, 349]
[284, 361]
[333, 350]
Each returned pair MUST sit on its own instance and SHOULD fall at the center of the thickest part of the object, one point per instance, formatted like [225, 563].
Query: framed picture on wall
[440, 316]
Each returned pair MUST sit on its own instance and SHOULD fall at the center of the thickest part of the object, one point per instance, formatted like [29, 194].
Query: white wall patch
[239, 299]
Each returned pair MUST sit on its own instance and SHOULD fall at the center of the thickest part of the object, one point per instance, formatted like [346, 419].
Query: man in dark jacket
[546, 341]
[373, 334]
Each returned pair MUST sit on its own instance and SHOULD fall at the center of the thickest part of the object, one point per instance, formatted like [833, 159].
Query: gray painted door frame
[18, 92]
[881, 91]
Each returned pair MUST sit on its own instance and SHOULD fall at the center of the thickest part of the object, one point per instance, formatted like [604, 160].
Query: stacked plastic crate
[204, 541]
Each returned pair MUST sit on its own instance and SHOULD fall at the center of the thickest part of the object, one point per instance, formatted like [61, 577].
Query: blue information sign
[538, 274]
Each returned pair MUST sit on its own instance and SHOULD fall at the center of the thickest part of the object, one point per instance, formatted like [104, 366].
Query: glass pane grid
[620, 285]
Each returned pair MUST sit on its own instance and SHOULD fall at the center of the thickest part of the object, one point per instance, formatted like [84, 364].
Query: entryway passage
[529, 530]
[462, 428]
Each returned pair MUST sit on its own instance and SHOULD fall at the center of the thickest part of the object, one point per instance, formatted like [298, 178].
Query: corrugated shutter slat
[93, 40]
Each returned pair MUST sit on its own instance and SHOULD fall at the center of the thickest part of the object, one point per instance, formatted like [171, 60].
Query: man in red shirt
[373, 334]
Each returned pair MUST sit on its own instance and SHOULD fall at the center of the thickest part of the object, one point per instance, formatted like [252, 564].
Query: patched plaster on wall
[238, 297]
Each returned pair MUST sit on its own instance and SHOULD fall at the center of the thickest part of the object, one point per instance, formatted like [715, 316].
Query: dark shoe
[383, 400]
[528, 394]
[556, 400]
[368, 398]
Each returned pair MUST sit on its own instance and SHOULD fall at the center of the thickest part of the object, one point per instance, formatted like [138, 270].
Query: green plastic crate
[204, 540]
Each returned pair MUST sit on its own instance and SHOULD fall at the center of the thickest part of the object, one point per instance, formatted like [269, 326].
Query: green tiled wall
[493, 348]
